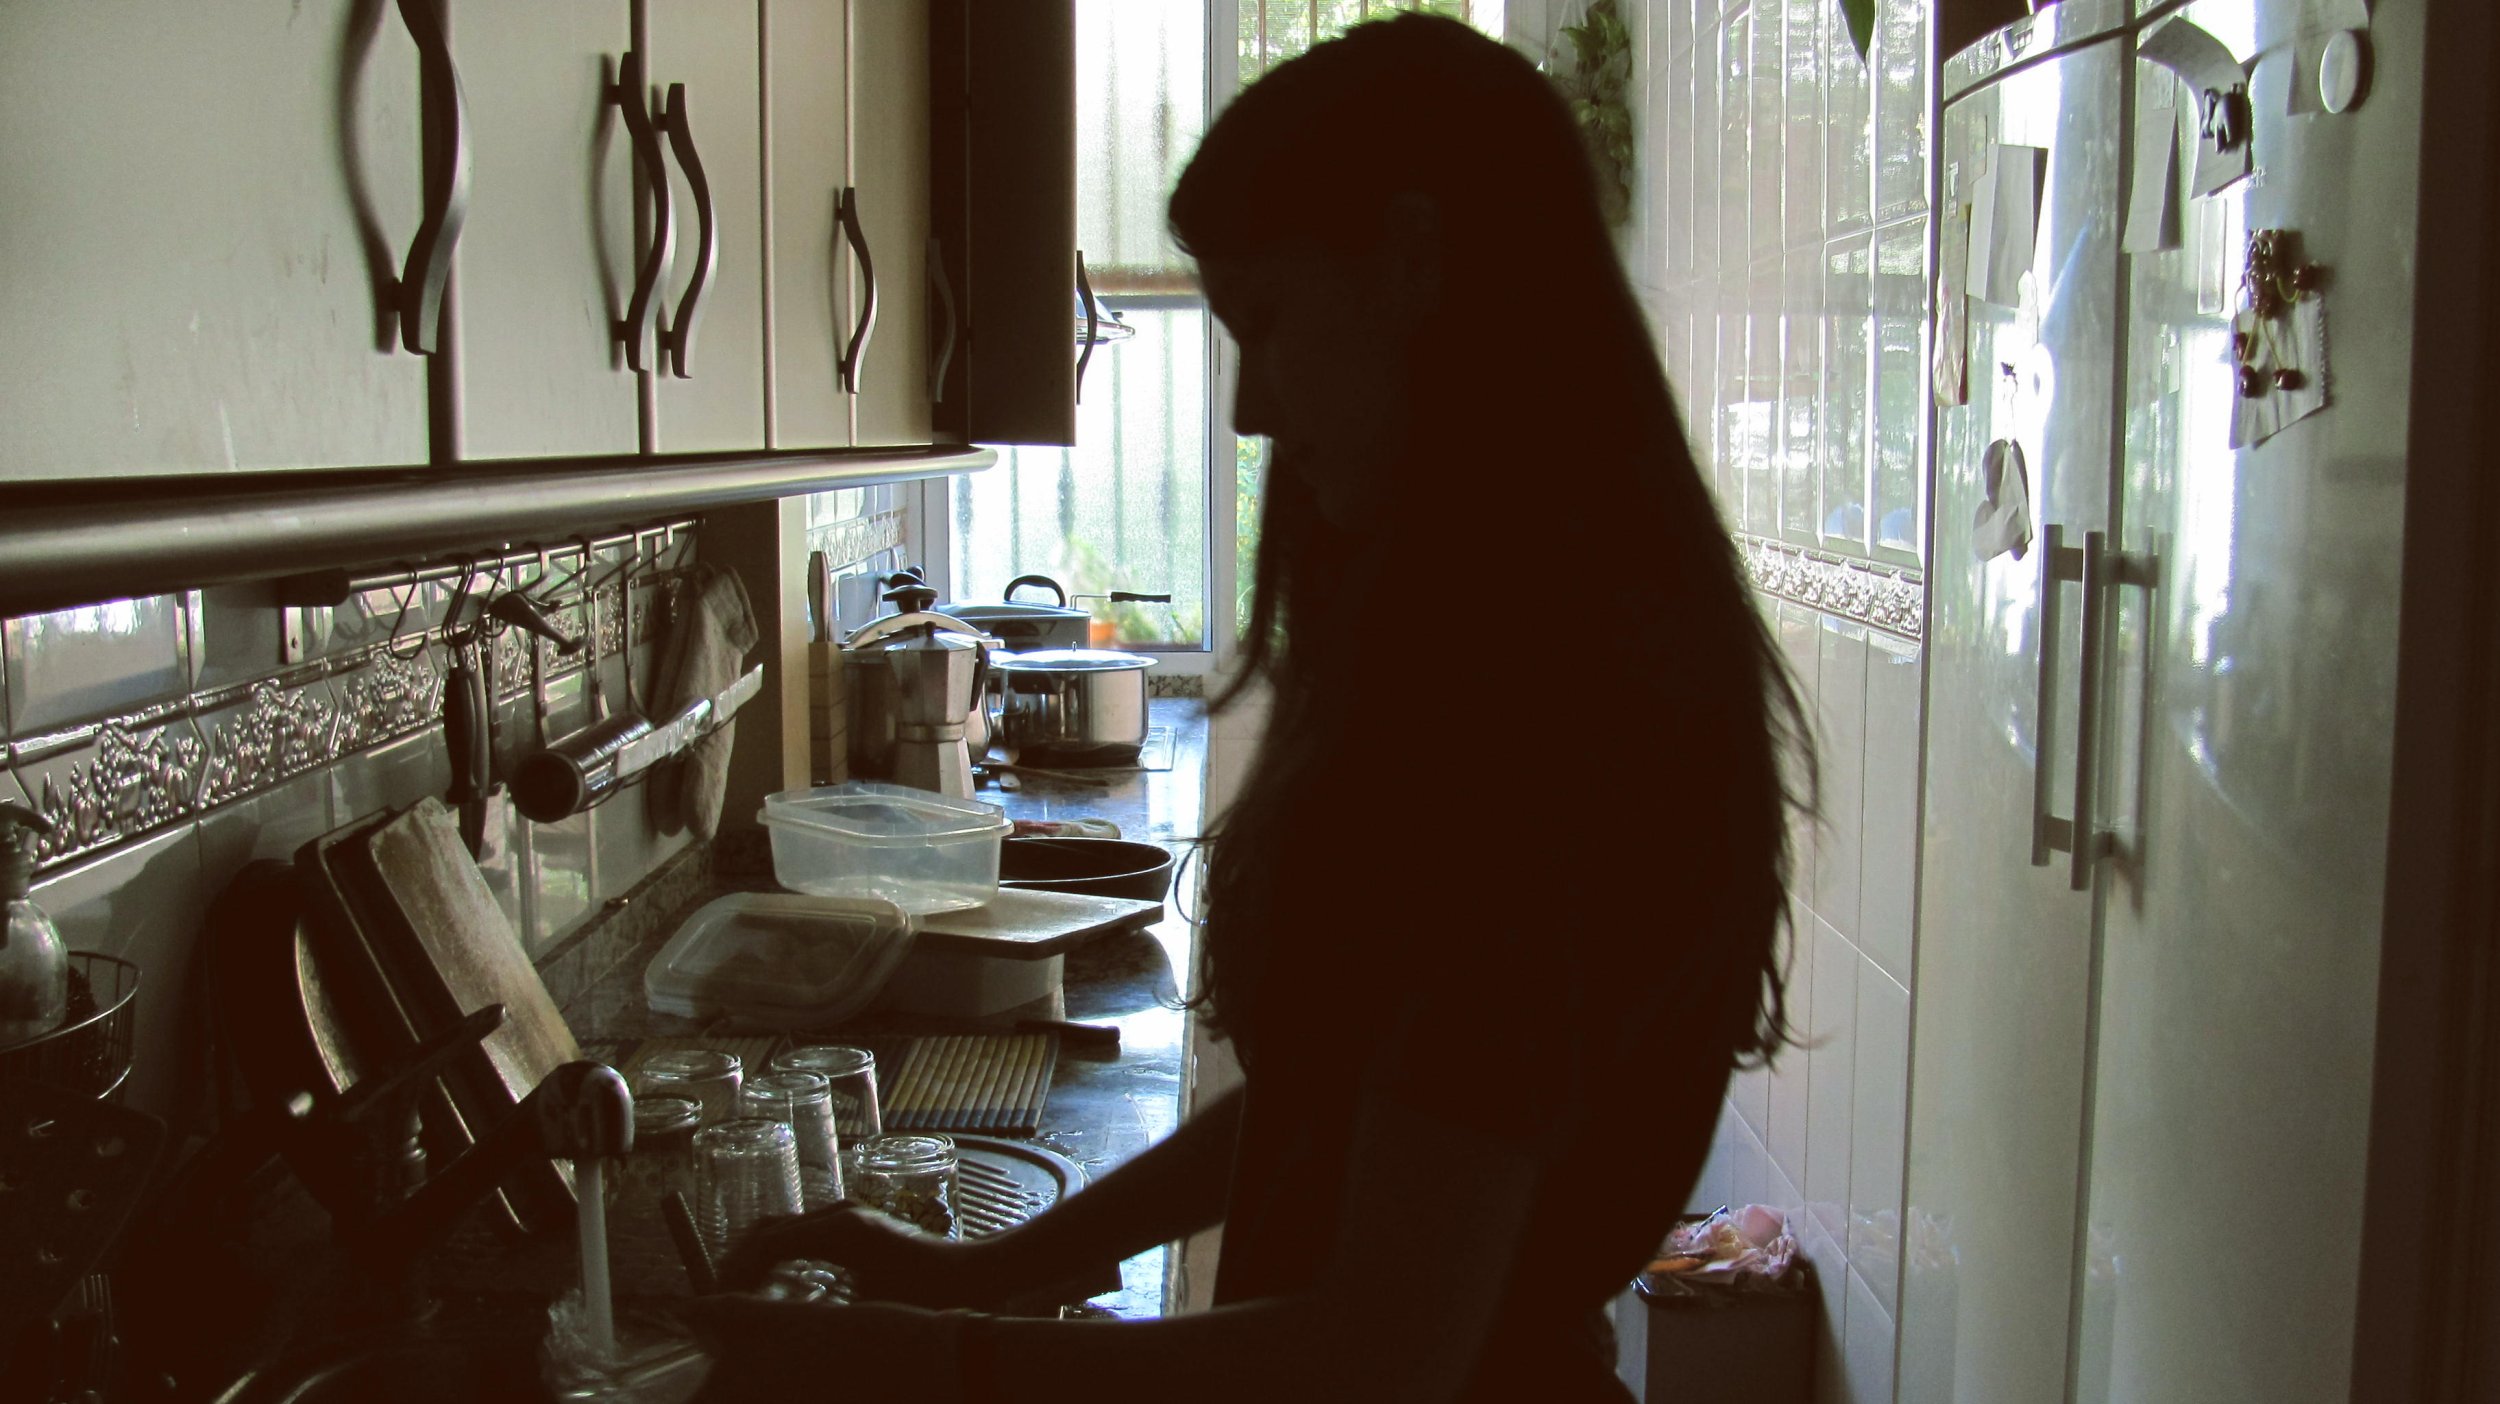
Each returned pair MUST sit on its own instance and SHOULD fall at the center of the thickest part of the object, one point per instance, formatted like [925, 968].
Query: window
[1158, 496]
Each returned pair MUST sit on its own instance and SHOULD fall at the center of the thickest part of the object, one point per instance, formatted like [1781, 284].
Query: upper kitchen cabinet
[704, 82]
[548, 258]
[1002, 206]
[807, 136]
[206, 213]
[848, 187]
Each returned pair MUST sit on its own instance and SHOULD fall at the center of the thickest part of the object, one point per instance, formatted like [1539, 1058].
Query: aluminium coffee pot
[930, 668]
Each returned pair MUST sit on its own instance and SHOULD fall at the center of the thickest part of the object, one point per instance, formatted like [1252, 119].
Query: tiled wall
[172, 744]
[1780, 240]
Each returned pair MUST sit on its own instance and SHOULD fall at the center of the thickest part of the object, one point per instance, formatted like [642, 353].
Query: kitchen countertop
[1102, 1107]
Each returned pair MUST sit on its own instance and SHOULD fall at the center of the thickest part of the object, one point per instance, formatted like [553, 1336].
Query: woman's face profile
[1324, 353]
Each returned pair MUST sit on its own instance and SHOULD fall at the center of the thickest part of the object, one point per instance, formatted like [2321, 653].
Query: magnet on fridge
[2344, 70]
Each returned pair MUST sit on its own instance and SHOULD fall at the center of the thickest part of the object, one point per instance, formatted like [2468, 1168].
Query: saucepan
[1071, 706]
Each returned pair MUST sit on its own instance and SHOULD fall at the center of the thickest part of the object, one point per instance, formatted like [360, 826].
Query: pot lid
[978, 613]
[1070, 660]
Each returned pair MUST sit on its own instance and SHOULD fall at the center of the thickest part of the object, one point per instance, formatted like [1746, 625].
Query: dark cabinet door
[1002, 205]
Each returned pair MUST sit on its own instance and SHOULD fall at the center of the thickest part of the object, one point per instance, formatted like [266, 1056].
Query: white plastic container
[775, 959]
[922, 851]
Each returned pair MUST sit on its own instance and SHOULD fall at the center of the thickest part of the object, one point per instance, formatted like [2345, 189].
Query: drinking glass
[803, 1100]
[910, 1177]
[746, 1170]
[663, 1154]
[708, 1075]
[851, 1073]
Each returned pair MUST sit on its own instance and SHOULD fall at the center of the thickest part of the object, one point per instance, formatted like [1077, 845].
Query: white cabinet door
[890, 172]
[2003, 1012]
[547, 260]
[710, 373]
[202, 211]
[807, 138]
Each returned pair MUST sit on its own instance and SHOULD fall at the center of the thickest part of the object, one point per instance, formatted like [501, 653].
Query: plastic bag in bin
[1746, 1249]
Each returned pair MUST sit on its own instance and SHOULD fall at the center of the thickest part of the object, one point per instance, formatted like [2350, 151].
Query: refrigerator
[2140, 1084]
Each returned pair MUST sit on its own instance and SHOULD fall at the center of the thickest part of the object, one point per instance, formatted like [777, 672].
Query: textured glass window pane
[1801, 397]
[1759, 419]
[1705, 184]
[1849, 128]
[1735, 139]
[1141, 107]
[1901, 120]
[1671, 188]
[1804, 147]
[1848, 297]
[1124, 510]
[1766, 76]
[1901, 382]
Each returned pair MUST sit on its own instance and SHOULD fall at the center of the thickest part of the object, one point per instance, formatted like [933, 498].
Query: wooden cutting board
[1023, 923]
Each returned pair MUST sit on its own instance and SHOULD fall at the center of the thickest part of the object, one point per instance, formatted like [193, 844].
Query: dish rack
[91, 1054]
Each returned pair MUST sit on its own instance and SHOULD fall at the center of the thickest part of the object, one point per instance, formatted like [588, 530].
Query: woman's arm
[1422, 1192]
[1172, 1188]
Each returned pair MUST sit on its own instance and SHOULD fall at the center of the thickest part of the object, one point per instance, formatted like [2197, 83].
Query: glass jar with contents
[851, 1074]
[911, 1178]
[709, 1076]
[805, 1104]
[663, 1154]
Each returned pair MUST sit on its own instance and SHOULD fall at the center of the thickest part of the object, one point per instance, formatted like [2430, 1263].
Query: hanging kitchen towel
[706, 653]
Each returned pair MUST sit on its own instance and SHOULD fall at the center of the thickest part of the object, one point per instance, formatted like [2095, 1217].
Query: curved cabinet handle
[677, 333]
[641, 313]
[428, 269]
[2058, 563]
[944, 357]
[1093, 323]
[855, 354]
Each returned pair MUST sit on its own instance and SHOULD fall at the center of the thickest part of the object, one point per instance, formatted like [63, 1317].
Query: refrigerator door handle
[2059, 563]
[2086, 843]
[2095, 568]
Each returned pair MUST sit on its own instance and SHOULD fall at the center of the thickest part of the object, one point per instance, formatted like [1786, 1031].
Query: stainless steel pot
[1021, 626]
[1071, 706]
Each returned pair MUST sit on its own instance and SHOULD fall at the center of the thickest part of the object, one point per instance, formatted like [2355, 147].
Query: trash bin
[1730, 1319]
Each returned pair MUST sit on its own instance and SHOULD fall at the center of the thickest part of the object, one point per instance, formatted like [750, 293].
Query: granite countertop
[1103, 1107]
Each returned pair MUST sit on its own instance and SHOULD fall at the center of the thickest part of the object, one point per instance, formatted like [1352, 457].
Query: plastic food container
[923, 852]
[779, 960]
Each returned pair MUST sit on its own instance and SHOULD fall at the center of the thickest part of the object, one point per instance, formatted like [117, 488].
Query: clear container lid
[779, 958]
[1070, 660]
[865, 812]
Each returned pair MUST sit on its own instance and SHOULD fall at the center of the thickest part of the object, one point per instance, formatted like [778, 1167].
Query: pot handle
[1059, 596]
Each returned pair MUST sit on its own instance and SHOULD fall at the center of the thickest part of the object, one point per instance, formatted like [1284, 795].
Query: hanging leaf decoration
[1860, 15]
[1593, 85]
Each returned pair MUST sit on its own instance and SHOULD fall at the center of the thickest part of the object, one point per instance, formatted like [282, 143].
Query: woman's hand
[891, 1260]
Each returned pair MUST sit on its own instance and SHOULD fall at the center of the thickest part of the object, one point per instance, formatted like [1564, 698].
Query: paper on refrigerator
[2153, 205]
[2004, 222]
[1952, 363]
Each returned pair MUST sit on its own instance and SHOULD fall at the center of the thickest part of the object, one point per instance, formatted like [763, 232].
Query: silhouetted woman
[1500, 905]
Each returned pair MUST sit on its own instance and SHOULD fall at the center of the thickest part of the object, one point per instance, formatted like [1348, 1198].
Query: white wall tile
[1869, 1346]
[1749, 1167]
[142, 903]
[1888, 848]
[1840, 711]
[1749, 1089]
[1831, 1027]
[1831, 1284]
[1710, 1190]
[1790, 1078]
[1877, 1130]
[1781, 1193]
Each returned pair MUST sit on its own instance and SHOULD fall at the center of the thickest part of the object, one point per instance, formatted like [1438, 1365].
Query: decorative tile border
[123, 778]
[1886, 597]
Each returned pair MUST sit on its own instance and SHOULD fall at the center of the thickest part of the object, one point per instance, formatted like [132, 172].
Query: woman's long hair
[1542, 661]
